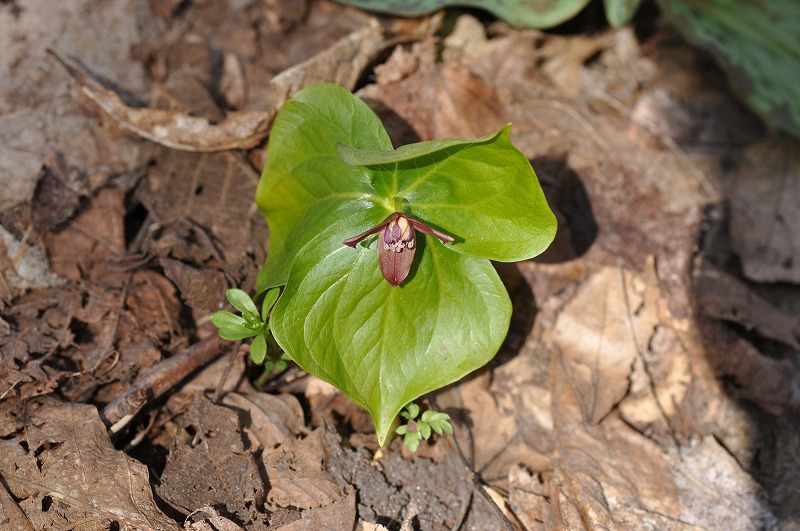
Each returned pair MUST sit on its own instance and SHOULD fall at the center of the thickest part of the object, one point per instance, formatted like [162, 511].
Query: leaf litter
[648, 375]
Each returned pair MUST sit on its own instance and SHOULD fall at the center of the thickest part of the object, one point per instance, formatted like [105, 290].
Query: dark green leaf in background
[759, 43]
[523, 13]
[619, 12]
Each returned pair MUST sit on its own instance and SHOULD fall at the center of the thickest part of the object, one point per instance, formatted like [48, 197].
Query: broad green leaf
[258, 349]
[241, 301]
[523, 13]
[383, 347]
[759, 43]
[361, 157]
[337, 317]
[305, 183]
[482, 191]
[619, 12]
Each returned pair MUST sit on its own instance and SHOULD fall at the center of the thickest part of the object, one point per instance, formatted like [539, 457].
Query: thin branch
[157, 380]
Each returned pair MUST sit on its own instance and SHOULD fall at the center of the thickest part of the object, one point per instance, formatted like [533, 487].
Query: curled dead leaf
[173, 129]
[342, 63]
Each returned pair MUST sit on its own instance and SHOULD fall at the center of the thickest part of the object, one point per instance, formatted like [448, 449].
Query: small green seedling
[384, 254]
[250, 324]
[415, 429]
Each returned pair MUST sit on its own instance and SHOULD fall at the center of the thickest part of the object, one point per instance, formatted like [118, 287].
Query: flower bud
[397, 243]
[396, 250]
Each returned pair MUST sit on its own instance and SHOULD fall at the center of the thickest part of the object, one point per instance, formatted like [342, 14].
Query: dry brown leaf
[38, 119]
[489, 430]
[203, 206]
[41, 326]
[67, 474]
[53, 200]
[564, 59]
[199, 288]
[764, 213]
[93, 238]
[342, 63]
[296, 475]
[272, 418]
[682, 100]
[609, 475]
[722, 296]
[595, 337]
[522, 389]
[437, 101]
[662, 371]
[715, 493]
[769, 382]
[341, 514]
[660, 381]
[209, 464]
[10, 513]
[208, 519]
[612, 477]
[23, 267]
[534, 502]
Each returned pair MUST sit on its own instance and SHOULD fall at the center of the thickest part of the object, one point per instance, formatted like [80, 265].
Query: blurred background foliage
[756, 41]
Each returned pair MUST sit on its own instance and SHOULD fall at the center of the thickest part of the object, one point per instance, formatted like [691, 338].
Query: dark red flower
[397, 243]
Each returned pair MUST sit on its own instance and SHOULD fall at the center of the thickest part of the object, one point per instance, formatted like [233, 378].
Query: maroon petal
[395, 265]
[425, 229]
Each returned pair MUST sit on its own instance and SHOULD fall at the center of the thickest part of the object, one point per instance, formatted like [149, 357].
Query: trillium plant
[383, 255]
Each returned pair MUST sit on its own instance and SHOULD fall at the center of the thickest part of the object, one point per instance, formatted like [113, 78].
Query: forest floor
[649, 379]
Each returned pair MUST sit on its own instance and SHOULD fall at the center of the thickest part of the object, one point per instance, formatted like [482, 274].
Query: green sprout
[250, 324]
[415, 429]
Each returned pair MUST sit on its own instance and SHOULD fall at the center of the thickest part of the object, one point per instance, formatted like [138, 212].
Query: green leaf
[482, 191]
[411, 411]
[241, 301]
[411, 440]
[383, 347]
[258, 349]
[523, 13]
[305, 183]
[424, 430]
[232, 327]
[338, 318]
[759, 43]
[235, 333]
[269, 301]
[226, 319]
[619, 12]
[440, 422]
